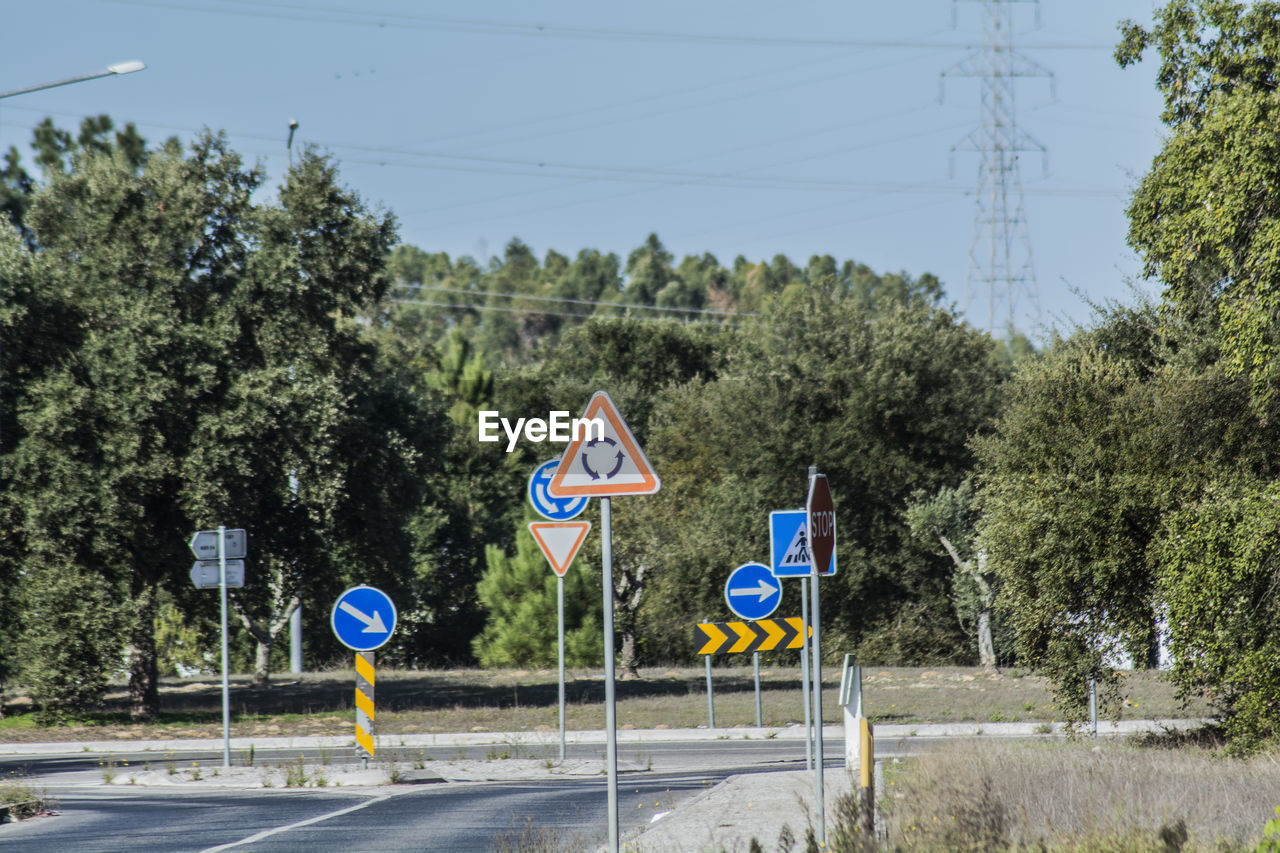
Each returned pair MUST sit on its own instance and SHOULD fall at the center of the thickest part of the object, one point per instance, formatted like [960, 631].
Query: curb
[624, 736]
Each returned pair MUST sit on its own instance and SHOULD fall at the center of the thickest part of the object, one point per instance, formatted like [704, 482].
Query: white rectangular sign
[205, 544]
[204, 573]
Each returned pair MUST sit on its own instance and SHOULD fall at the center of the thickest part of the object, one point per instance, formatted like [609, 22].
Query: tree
[1205, 218]
[950, 516]
[1218, 582]
[882, 402]
[519, 594]
[1069, 510]
[649, 272]
[214, 354]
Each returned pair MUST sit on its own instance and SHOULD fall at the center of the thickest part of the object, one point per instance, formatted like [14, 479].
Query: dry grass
[1078, 795]
[411, 702]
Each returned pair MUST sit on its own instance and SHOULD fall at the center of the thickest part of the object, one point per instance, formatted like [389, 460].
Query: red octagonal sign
[822, 524]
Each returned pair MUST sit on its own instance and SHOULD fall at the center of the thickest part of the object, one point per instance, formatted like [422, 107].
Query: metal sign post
[610, 718]
[226, 686]
[822, 543]
[560, 541]
[560, 650]
[220, 563]
[711, 702]
[607, 464]
[804, 676]
[755, 666]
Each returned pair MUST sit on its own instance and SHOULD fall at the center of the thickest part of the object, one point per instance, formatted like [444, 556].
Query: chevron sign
[762, 635]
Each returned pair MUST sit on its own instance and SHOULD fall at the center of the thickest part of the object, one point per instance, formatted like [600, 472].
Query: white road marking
[266, 833]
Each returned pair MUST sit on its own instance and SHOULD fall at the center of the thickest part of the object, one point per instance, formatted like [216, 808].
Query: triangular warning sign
[603, 465]
[559, 541]
[797, 553]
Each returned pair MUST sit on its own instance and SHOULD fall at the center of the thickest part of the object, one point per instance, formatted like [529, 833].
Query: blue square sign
[789, 554]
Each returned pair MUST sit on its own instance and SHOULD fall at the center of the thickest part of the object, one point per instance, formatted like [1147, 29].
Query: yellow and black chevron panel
[762, 635]
[364, 701]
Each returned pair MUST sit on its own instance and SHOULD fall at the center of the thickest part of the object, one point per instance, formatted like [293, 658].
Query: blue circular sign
[752, 591]
[554, 509]
[363, 618]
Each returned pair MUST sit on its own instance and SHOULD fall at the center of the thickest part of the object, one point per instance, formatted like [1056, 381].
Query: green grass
[411, 702]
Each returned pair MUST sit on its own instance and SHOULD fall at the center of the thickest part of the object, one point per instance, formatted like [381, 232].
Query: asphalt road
[441, 817]
[567, 813]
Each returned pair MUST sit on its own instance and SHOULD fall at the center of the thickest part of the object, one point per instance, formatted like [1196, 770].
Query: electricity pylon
[1000, 263]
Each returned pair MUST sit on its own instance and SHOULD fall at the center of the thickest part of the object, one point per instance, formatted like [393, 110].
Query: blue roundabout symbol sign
[553, 509]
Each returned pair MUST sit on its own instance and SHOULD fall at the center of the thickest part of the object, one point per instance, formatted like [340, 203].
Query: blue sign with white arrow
[554, 509]
[789, 552]
[752, 591]
[363, 618]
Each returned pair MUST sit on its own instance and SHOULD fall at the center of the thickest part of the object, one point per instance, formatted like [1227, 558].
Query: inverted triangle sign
[603, 465]
[559, 541]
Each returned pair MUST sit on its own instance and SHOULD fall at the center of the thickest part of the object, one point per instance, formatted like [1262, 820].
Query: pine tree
[520, 595]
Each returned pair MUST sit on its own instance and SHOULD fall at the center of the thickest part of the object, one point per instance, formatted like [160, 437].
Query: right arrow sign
[821, 523]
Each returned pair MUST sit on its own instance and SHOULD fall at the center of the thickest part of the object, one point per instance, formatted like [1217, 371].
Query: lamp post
[110, 71]
[295, 620]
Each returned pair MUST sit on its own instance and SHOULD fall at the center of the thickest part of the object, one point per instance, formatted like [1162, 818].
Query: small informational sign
[205, 574]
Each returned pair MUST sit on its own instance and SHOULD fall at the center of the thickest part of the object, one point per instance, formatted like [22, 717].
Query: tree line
[184, 347]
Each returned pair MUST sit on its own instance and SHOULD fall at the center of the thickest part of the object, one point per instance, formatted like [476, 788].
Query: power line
[384, 20]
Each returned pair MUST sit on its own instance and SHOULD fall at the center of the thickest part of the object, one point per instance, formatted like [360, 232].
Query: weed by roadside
[23, 799]
[529, 837]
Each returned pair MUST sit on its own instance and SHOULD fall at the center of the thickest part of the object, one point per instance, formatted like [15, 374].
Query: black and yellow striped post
[364, 702]
[866, 783]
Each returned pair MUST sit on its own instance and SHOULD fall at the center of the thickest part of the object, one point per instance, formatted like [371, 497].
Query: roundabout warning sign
[605, 465]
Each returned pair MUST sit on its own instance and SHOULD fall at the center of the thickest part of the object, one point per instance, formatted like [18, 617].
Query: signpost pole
[817, 683]
[560, 649]
[817, 710]
[711, 702]
[226, 688]
[804, 673]
[755, 665]
[610, 718]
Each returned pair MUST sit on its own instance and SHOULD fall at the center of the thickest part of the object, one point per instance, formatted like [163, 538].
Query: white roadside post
[851, 701]
[605, 461]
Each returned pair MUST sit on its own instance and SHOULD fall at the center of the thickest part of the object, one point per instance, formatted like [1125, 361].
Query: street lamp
[293, 126]
[110, 70]
[295, 620]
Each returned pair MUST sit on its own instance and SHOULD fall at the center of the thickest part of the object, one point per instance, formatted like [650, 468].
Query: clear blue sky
[726, 126]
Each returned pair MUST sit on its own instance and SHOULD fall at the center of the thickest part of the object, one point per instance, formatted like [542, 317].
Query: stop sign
[822, 524]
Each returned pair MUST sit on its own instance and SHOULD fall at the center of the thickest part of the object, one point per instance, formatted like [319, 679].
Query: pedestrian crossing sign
[789, 553]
